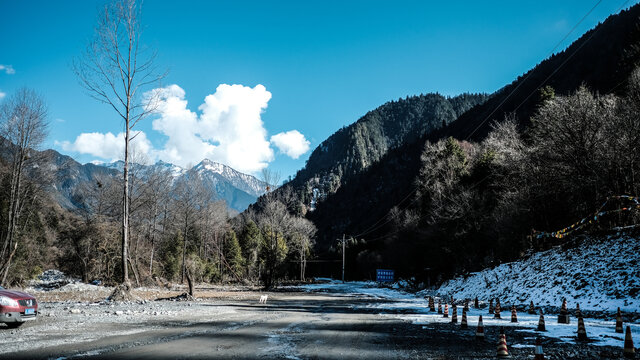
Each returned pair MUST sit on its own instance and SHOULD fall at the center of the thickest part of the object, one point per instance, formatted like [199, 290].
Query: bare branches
[23, 125]
[113, 69]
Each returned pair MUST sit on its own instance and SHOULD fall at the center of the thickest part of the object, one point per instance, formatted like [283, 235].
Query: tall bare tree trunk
[114, 74]
[125, 205]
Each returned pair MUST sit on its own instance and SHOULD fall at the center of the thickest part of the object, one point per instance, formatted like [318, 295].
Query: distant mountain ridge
[239, 190]
[69, 182]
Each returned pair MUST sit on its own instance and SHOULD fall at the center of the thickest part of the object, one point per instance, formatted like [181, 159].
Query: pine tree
[232, 253]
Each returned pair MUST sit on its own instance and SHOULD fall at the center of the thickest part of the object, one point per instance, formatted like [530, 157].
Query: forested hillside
[430, 186]
[356, 147]
[450, 206]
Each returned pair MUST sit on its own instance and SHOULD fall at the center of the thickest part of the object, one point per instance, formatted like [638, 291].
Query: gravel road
[227, 324]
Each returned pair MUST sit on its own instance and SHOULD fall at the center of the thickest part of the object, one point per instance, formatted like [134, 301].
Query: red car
[16, 307]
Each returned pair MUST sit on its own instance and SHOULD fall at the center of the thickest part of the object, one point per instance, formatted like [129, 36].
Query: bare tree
[114, 69]
[158, 186]
[302, 235]
[271, 178]
[23, 127]
[190, 196]
[276, 223]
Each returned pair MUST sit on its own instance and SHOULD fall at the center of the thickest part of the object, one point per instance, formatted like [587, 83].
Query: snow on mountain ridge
[236, 188]
[245, 182]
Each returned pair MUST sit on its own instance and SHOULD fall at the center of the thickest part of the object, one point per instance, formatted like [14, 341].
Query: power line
[531, 72]
[565, 61]
[377, 225]
[373, 227]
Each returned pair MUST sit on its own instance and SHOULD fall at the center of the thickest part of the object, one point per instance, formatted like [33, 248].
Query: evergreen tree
[232, 253]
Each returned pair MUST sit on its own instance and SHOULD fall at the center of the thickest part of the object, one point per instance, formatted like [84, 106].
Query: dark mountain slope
[356, 147]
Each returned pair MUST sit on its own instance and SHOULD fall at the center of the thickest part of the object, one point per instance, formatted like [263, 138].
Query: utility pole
[343, 242]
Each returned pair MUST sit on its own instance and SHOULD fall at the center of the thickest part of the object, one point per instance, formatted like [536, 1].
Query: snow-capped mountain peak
[236, 188]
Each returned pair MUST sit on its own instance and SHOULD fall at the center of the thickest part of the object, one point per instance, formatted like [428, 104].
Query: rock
[118, 312]
[75, 311]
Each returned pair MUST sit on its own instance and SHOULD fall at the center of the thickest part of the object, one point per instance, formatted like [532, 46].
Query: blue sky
[324, 63]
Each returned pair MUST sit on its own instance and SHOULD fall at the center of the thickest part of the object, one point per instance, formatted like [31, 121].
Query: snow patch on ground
[599, 274]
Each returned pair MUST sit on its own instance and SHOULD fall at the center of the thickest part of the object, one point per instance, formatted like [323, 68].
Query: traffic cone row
[619, 322]
[582, 332]
[541, 326]
[454, 314]
[537, 352]
[532, 310]
[502, 350]
[502, 345]
[629, 350]
[463, 323]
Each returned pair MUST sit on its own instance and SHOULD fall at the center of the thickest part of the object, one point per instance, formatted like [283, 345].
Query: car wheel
[14, 325]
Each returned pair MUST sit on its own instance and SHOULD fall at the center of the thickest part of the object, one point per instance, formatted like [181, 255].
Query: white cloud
[7, 69]
[228, 129]
[292, 143]
[108, 146]
[2, 94]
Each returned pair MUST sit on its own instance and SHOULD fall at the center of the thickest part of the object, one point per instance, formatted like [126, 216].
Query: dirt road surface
[292, 325]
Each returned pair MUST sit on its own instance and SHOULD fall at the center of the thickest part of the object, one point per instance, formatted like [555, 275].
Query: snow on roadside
[599, 274]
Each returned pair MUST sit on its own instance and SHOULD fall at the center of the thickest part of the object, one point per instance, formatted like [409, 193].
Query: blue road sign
[384, 275]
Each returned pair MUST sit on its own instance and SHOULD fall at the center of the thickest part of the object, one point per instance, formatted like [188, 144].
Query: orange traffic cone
[439, 307]
[514, 314]
[496, 311]
[578, 312]
[466, 304]
[537, 352]
[502, 345]
[563, 318]
[454, 314]
[582, 332]
[432, 305]
[476, 304]
[541, 326]
[619, 322]
[532, 310]
[491, 306]
[629, 350]
[463, 323]
[446, 310]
